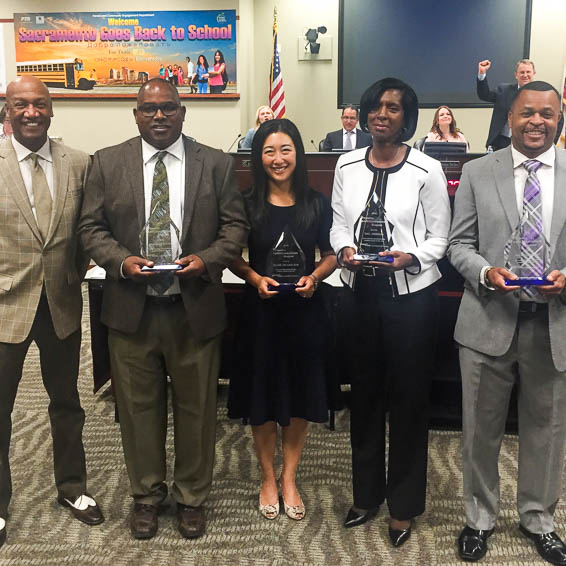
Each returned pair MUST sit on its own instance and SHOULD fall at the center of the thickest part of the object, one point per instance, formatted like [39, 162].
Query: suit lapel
[133, 172]
[12, 176]
[506, 186]
[193, 173]
[559, 206]
[61, 167]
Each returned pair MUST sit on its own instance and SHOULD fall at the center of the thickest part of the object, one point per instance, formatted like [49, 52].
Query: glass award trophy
[285, 262]
[527, 261]
[374, 232]
[158, 238]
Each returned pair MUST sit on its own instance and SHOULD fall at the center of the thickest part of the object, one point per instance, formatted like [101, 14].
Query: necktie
[41, 196]
[348, 144]
[159, 226]
[533, 249]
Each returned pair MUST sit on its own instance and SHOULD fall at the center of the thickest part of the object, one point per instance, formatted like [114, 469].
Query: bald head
[28, 105]
[159, 114]
[157, 84]
[27, 82]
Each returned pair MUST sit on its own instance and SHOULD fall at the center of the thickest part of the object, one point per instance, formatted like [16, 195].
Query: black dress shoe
[549, 546]
[2, 537]
[398, 537]
[191, 521]
[143, 521]
[91, 515]
[472, 544]
[355, 518]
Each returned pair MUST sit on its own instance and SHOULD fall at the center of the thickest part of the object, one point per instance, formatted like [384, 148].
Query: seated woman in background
[262, 114]
[281, 351]
[444, 127]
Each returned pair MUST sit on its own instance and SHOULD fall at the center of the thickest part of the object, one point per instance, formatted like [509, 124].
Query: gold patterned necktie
[159, 224]
[41, 196]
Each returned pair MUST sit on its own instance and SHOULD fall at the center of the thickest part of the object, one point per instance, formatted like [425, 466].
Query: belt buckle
[530, 306]
[369, 270]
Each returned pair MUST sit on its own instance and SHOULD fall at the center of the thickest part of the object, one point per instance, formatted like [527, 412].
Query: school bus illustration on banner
[62, 73]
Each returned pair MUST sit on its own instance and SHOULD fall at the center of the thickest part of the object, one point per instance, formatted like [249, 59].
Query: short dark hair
[307, 206]
[540, 86]
[371, 97]
[350, 107]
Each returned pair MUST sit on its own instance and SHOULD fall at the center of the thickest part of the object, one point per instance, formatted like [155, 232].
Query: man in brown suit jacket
[41, 267]
[174, 331]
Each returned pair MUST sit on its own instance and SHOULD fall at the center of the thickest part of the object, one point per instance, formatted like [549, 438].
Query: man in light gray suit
[509, 334]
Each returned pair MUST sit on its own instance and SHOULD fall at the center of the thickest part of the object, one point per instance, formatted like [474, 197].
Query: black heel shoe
[399, 537]
[355, 518]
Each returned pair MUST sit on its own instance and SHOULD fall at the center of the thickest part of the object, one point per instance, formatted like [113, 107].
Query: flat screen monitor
[433, 45]
[445, 149]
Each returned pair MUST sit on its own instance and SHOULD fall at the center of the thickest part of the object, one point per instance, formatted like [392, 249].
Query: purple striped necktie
[533, 249]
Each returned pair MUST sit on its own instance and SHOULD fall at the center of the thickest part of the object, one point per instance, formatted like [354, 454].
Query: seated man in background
[499, 134]
[349, 137]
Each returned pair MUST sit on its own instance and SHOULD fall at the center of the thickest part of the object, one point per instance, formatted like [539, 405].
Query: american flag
[276, 92]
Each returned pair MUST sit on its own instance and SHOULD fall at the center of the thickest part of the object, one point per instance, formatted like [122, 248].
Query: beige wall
[310, 87]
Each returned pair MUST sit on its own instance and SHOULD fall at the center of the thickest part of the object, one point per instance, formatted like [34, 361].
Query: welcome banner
[113, 53]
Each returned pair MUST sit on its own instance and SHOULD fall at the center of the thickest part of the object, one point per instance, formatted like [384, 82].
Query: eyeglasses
[350, 118]
[167, 109]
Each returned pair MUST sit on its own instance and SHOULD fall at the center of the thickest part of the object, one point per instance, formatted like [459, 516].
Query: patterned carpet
[40, 532]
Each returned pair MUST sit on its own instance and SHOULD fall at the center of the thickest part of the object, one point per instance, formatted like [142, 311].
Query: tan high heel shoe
[295, 512]
[270, 510]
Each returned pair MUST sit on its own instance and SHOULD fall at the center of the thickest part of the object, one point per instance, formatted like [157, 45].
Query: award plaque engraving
[529, 264]
[373, 234]
[158, 238]
[285, 262]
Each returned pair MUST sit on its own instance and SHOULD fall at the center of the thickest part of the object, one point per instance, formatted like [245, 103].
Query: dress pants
[486, 385]
[59, 360]
[164, 345]
[392, 354]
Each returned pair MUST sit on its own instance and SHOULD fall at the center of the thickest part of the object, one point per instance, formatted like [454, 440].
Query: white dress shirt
[45, 162]
[174, 163]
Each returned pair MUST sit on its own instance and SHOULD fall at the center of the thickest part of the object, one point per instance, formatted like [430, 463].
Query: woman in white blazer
[392, 306]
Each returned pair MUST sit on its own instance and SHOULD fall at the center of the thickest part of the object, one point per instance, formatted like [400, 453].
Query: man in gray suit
[162, 324]
[41, 188]
[510, 334]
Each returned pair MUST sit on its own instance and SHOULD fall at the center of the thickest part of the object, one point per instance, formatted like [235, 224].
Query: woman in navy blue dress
[281, 364]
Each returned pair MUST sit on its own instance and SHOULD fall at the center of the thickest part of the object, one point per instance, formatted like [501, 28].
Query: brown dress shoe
[191, 520]
[91, 514]
[143, 521]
